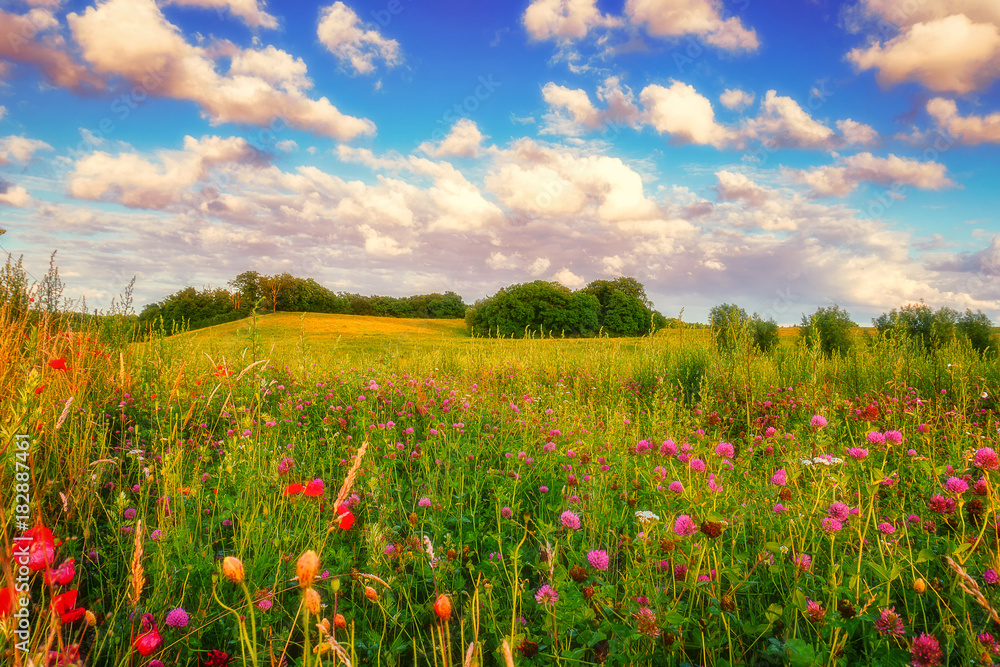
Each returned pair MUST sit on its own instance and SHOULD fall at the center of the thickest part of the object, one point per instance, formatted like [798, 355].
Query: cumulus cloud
[13, 195]
[463, 140]
[684, 114]
[855, 133]
[739, 187]
[532, 178]
[20, 149]
[138, 182]
[566, 277]
[573, 113]
[736, 99]
[342, 33]
[984, 263]
[564, 19]
[30, 40]
[782, 123]
[249, 11]
[675, 18]
[970, 130]
[940, 45]
[132, 39]
[846, 174]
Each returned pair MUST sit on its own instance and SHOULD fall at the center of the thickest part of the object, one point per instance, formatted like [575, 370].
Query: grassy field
[322, 489]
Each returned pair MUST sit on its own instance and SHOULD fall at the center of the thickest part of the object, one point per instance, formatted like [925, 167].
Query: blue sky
[779, 157]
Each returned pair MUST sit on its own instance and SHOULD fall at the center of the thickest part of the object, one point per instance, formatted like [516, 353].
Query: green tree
[977, 328]
[729, 325]
[918, 322]
[830, 328]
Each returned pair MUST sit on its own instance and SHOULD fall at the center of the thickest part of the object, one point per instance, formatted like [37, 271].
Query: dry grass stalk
[508, 659]
[345, 488]
[469, 653]
[138, 576]
[65, 413]
[969, 585]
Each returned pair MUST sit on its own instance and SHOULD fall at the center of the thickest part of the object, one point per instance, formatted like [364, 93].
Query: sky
[781, 156]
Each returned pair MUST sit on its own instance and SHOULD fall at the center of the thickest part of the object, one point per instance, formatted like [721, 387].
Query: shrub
[830, 329]
[916, 321]
[977, 328]
[732, 328]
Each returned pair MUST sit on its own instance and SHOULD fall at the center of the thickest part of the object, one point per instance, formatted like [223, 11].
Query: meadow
[338, 490]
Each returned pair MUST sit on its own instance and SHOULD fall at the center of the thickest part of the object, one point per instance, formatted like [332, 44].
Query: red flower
[149, 641]
[41, 550]
[59, 364]
[346, 518]
[6, 601]
[218, 659]
[64, 604]
[40, 389]
[63, 574]
[314, 488]
[293, 489]
[69, 656]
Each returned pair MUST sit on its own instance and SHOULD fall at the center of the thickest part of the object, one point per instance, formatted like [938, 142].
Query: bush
[830, 329]
[732, 327]
[538, 307]
[917, 322]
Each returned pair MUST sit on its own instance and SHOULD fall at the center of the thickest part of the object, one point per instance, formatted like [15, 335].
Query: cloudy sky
[778, 155]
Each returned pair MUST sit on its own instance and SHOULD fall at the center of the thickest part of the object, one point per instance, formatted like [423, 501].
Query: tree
[977, 328]
[624, 308]
[917, 322]
[538, 307]
[247, 290]
[828, 328]
[729, 325]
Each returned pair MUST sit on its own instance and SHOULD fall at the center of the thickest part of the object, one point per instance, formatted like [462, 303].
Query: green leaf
[925, 555]
[800, 653]
[774, 612]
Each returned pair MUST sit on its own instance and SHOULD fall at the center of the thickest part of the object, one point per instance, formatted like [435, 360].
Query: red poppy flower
[314, 488]
[40, 389]
[218, 659]
[7, 597]
[41, 549]
[59, 364]
[346, 518]
[63, 574]
[69, 656]
[148, 642]
[64, 604]
[293, 489]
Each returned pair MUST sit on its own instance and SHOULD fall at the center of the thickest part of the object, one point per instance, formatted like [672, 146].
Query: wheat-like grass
[969, 585]
[138, 575]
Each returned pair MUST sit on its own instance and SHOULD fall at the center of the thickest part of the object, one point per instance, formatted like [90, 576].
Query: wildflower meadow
[263, 493]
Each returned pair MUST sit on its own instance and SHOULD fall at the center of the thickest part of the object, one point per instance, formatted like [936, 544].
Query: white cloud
[137, 182]
[20, 149]
[342, 33]
[739, 187]
[572, 113]
[843, 177]
[539, 266]
[249, 11]
[970, 130]
[132, 39]
[685, 114]
[382, 245]
[28, 39]
[564, 19]
[576, 103]
[945, 52]
[675, 18]
[855, 133]
[782, 123]
[736, 99]
[463, 140]
[276, 67]
[569, 279]
[13, 195]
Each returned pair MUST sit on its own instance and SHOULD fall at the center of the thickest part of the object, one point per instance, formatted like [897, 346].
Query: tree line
[191, 308]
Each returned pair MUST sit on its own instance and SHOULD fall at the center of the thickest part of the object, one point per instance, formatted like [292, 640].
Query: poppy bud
[313, 601]
[371, 593]
[442, 607]
[340, 621]
[306, 568]
[232, 567]
[919, 585]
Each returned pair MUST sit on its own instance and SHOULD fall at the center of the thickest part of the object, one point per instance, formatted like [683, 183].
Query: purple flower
[725, 450]
[177, 618]
[987, 459]
[547, 595]
[875, 438]
[857, 453]
[780, 477]
[886, 528]
[831, 525]
[685, 526]
[779, 508]
[598, 559]
[991, 577]
[676, 486]
[893, 437]
[264, 604]
[424, 502]
[889, 623]
[925, 651]
[956, 485]
[838, 511]
[697, 465]
[506, 512]
[680, 571]
[130, 513]
[570, 520]
[803, 562]
[817, 421]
